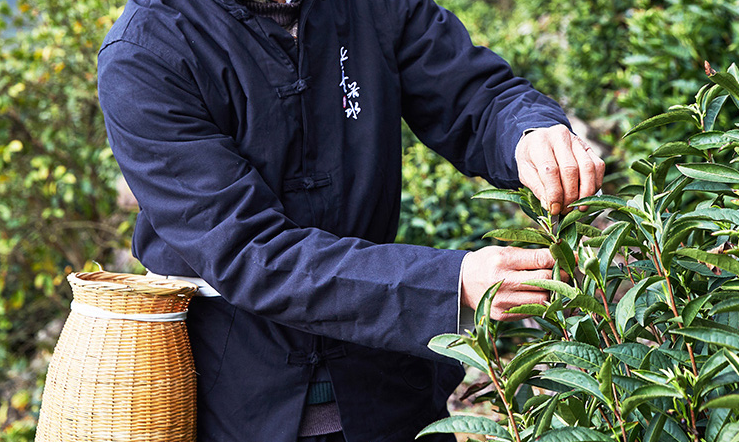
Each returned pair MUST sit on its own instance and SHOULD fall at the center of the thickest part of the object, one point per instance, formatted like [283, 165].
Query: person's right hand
[513, 266]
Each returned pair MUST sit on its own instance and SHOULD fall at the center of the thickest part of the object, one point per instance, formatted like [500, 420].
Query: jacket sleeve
[463, 100]
[213, 208]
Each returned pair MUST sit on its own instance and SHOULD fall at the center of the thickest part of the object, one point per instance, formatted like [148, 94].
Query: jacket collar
[234, 8]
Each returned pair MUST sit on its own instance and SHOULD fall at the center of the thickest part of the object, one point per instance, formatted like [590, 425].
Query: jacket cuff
[465, 315]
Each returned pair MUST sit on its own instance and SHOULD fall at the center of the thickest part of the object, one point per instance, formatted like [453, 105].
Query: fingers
[530, 178]
[600, 168]
[570, 169]
[587, 171]
[541, 169]
[516, 258]
[517, 279]
[505, 301]
[592, 168]
[558, 167]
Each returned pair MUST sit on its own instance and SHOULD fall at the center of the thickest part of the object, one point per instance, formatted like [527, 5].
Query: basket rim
[129, 282]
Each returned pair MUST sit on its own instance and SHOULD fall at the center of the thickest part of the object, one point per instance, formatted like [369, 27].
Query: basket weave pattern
[121, 379]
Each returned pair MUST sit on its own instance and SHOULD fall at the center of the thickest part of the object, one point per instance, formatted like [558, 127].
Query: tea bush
[643, 343]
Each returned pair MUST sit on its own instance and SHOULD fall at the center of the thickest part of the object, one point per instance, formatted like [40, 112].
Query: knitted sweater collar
[285, 14]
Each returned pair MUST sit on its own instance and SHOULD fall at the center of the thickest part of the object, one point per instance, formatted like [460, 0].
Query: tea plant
[642, 344]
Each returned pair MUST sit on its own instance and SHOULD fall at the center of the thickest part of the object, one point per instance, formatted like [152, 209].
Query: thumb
[530, 259]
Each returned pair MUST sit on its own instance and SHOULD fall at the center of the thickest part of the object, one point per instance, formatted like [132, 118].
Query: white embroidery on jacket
[351, 90]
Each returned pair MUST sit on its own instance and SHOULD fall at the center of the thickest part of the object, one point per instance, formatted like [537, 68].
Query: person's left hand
[558, 167]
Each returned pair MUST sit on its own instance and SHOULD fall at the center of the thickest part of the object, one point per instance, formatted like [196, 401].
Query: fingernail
[556, 207]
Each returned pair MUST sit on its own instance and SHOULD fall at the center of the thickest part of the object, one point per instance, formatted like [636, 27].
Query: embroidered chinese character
[350, 100]
[353, 110]
[353, 91]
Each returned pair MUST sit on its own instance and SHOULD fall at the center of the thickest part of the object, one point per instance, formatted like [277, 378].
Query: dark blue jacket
[273, 172]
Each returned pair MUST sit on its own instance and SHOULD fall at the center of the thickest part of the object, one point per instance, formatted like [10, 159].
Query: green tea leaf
[522, 332]
[626, 383]
[714, 214]
[713, 110]
[499, 195]
[716, 336]
[717, 173]
[545, 421]
[626, 309]
[527, 235]
[696, 267]
[675, 148]
[672, 432]
[585, 331]
[579, 354]
[662, 119]
[573, 434]
[728, 82]
[715, 364]
[679, 232]
[630, 353]
[483, 339]
[588, 304]
[692, 308]
[729, 305]
[560, 287]
[589, 231]
[729, 433]
[533, 353]
[565, 257]
[648, 195]
[728, 401]
[520, 375]
[598, 241]
[714, 92]
[485, 301]
[442, 345]
[647, 393]
[610, 246]
[716, 420]
[643, 166]
[710, 140]
[654, 431]
[724, 262]
[706, 186]
[528, 309]
[575, 215]
[605, 379]
[467, 424]
[674, 191]
[610, 202]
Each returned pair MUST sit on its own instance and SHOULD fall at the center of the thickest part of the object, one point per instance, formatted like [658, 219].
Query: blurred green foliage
[436, 209]
[612, 62]
[57, 182]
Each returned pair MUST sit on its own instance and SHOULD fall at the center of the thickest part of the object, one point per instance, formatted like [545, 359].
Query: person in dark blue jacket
[262, 143]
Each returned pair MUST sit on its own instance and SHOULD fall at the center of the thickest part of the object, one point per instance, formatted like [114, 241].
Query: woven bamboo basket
[122, 369]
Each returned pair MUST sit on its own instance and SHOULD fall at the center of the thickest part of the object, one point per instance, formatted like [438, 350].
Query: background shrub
[610, 62]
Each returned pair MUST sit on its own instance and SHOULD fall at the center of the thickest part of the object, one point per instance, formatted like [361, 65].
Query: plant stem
[692, 358]
[631, 277]
[656, 334]
[618, 413]
[608, 316]
[693, 427]
[673, 306]
[605, 338]
[495, 351]
[494, 378]
[605, 417]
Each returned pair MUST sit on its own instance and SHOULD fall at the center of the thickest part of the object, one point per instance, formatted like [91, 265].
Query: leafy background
[609, 62]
